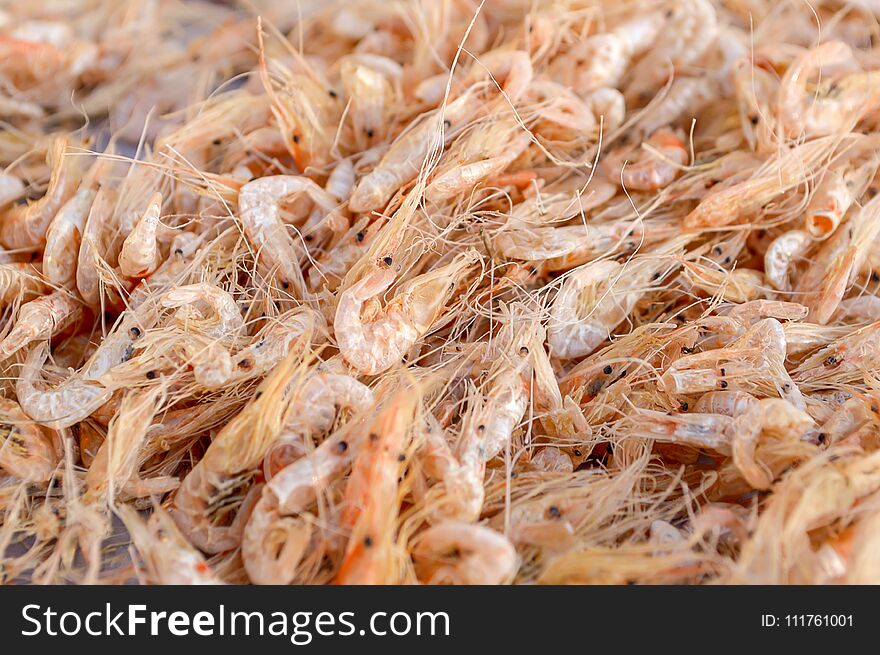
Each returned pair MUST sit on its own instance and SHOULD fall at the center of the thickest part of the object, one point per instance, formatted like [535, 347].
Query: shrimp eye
[683, 407]
[309, 237]
[373, 436]
[369, 132]
[577, 452]
[554, 512]
[821, 437]
[368, 541]
[523, 351]
[401, 457]
[360, 236]
[216, 142]
[388, 261]
[151, 375]
[245, 364]
[285, 284]
[481, 428]
[178, 251]
[296, 138]
[342, 446]
[607, 370]
[333, 93]
[447, 123]
[135, 331]
[723, 384]
[753, 119]
[257, 395]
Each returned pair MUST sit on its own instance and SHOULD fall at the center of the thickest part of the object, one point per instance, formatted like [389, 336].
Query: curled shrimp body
[607, 56]
[453, 552]
[261, 218]
[660, 166]
[374, 346]
[168, 556]
[828, 108]
[63, 238]
[405, 157]
[25, 226]
[26, 449]
[728, 403]
[41, 318]
[770, 417]
[781, 256]
[140, 251]
[204, 309]
[275, 538]
[19, 281]
[67, 404]
[320, 400]
[696, 430]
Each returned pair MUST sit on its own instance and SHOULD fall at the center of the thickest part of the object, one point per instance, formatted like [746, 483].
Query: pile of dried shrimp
[440, 291]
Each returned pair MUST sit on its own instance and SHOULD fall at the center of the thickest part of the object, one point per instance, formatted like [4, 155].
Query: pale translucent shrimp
[770, 417]
[779, 173]
[833, 197]
[26, 449]
[602, 59]
[552, 459]
[831, 106]
[748, 313]
[261, 218]
[88, 278]
[782, 255]
[371, 503]
[865, 309]
[340, 183]
[273, 342]
[850, 355]
[454, 552]
[511, 70]
[63, 238]
[274, 539]
[690, 29]
[332, 265]
[205, 504]
[728, 403]
[697, 430]
[522, 241]
[204, 309]
[11, 188]
[739, 285]
[659, 166]
[374, 346]
[561, 107]
[687, 96]
[25, 226]
[140, 254]
[169, 557]
[65, 405]
[321, 397]
[597, 297]
[466, 163]
[832, 268]
[20, 281]
[406, 155]
[371, 95]
[40, 319]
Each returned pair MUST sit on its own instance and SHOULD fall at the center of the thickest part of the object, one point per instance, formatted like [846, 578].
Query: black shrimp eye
[523, 351]
[296, 138]
[481, 428]
[577, 452]
[368, 541]
[135, 331]
[333, 93]
[369, 132]
[359, 236]
[178, 251]
[753, 119]
[607, 370]
[309, 237]
[447, 123]
[554, 512]
[342, 446]
[151, 375]
[285, 284]
[388, 261]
